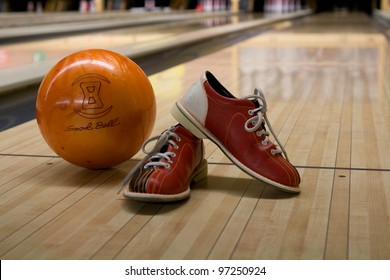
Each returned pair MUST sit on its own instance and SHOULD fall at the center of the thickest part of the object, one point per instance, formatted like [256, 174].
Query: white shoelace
[259, 116]
[165, 138]
[154, 156]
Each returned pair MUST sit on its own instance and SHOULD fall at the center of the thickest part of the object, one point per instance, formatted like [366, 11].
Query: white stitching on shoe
[259, 119]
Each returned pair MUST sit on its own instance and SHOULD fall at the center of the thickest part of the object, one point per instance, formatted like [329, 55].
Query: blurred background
[248, 5]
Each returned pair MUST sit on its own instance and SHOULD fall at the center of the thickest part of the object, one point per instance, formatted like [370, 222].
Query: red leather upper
[176, 179]
[226, 119]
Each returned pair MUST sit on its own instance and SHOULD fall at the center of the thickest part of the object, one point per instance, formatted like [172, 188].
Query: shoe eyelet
[250, 112]
[173, 155]
[264, 143]
[167, 166]
[258, 133]
[273, 152]
[176, 147]
[178, 138]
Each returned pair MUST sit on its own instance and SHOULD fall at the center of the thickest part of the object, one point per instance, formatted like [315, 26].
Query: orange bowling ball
[95, 108]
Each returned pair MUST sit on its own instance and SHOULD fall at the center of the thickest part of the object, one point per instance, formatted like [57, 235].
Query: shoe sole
[190, 123]
[199, 174]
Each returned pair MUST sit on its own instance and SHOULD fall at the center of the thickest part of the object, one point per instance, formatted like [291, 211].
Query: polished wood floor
[326, 81]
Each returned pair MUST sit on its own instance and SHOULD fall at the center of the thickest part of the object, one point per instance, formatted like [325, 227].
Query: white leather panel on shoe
[195, 101]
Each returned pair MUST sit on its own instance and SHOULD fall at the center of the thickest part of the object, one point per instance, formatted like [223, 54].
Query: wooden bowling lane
[328, 99]
[23, 19]
[34, 59]
[22, 26]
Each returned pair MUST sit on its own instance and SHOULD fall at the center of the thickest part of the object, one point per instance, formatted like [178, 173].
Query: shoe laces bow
[257, 121]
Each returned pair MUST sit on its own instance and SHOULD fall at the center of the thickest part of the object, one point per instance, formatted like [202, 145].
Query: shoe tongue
[181, 131]
[164, 148]
[257, 104]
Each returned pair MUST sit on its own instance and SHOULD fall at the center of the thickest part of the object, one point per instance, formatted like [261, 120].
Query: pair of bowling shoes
[236, 126]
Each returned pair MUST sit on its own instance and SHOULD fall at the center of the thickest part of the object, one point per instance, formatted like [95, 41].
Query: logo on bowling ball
[92, 106]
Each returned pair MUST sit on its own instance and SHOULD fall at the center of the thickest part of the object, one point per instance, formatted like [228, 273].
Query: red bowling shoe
[237, 127]
[168, 169]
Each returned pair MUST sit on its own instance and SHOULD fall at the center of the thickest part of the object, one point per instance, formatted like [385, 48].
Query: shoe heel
[201, 172]
[180, 115]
